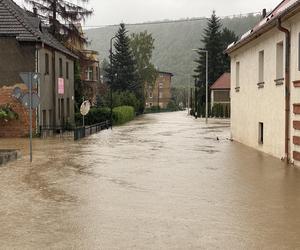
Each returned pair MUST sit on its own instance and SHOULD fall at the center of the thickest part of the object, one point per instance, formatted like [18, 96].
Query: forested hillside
[174, 42]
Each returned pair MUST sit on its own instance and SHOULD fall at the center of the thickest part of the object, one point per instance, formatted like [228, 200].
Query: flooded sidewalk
[163, 181]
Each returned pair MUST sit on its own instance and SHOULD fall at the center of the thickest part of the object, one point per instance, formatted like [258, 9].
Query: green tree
[213, 44]
[227, 37]
[142, 45]
[62, 15]
[122, 73]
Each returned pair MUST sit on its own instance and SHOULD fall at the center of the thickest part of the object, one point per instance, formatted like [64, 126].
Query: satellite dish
[17, 93]
[85, 108]
[35, 102]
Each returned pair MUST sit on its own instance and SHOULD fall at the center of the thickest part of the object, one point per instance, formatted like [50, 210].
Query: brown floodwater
[163, 181]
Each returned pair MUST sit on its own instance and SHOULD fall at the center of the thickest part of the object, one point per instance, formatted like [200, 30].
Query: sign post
[31, 100]
[84, 110]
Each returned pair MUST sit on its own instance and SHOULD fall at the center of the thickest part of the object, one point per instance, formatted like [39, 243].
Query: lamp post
[206, 84]
[112, 81]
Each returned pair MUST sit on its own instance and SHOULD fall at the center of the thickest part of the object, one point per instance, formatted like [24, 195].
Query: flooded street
[163, 181]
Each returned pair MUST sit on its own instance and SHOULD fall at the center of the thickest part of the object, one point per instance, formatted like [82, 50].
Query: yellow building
[160, 93]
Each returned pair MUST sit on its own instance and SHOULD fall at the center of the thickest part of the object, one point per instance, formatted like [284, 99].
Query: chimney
[35, 11]
[264, 13]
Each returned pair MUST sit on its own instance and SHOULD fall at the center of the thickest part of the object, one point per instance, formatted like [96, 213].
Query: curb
[7, 156]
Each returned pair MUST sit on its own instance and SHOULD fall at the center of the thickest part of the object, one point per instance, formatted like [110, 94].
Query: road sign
[35, 102]
[17, 93]
[30, 100]
[30, 76]
[85, 108]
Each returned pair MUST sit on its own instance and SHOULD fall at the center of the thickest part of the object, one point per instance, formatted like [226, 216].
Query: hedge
[123, 114]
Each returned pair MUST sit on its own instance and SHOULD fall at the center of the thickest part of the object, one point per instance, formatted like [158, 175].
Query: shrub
[96, 115]
[123, 114]
[7, 113]
[172, 106]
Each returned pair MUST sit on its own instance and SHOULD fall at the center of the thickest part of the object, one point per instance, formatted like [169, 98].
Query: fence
[50, 131]
[82, 132]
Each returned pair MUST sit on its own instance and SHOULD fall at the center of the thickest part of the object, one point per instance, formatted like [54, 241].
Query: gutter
[287, 86]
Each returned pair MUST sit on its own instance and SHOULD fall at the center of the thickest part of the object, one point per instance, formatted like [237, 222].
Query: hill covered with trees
[174, 41]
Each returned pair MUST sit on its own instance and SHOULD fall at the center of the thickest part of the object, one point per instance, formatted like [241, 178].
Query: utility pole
[112, 81]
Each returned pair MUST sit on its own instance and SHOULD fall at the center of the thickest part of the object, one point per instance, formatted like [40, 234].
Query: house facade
[89, 66]
[159, 95]
[27, 46]
[90, 75]
[220, 91]
[265, 74]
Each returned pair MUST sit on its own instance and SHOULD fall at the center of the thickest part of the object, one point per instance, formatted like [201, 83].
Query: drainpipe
[287, 86]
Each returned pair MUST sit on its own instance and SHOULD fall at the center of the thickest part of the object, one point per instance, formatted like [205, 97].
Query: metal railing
[82, 132]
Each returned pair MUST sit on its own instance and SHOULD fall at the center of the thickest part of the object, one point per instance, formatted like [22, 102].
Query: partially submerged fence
[82, 132]
[76, 132]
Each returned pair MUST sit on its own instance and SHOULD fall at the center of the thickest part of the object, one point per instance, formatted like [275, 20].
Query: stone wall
[19, 127]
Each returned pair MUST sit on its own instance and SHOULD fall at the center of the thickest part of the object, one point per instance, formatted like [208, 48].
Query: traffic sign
[85, 108]
[35, 102]
[30, 76]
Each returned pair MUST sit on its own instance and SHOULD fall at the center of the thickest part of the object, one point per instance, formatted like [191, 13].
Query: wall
[15, 57]
[19, 127]
[251, 104]
[49, 89]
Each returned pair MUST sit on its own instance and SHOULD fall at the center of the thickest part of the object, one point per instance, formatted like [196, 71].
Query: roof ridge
[22, 21]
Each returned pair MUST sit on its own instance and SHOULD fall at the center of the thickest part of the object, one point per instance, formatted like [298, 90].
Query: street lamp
[206, 87]
[112, 81]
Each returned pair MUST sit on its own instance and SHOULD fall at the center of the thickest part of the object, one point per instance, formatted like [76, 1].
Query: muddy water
[163, 181]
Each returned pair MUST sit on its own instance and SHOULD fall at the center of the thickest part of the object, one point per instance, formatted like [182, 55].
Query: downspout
[54, 88]
[38, 111]
[287, 86]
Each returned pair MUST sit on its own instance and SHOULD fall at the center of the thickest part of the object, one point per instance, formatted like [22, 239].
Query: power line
[171, 21]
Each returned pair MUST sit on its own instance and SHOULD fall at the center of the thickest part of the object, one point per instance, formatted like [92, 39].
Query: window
[59, 110]
[97, 74]
[161, 85]
[261, 133]
[261, 62]
[46, 64]
[50, 117]
[279, 61]
[160, 95]
[67, 70]
[150, 95]
[44, 114]
[60, 68]
[89, 74]
[237, 75]
[68, 107]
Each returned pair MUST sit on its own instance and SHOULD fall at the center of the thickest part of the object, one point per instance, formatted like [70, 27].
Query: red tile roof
[222, 83]
[285, 9]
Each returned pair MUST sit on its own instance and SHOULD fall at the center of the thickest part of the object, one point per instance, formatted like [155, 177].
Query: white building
[265, 84]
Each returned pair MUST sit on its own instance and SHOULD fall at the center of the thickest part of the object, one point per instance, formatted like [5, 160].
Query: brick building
[160, 93]
[27, 46]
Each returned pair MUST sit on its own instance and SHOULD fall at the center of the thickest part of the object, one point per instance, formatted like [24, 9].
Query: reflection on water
[164, 181]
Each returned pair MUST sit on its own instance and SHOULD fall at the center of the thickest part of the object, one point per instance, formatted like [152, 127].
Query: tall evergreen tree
[62, 15]
[213, 44]
[227, 37]
[123, 73]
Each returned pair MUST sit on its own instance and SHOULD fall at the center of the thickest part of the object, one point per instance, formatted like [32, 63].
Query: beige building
[160, 93]
[265, 74]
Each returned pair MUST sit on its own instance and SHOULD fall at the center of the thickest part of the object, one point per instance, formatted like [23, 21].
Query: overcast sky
[107, 12]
